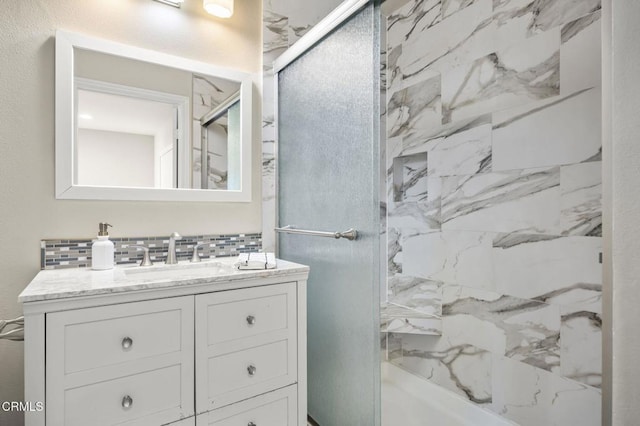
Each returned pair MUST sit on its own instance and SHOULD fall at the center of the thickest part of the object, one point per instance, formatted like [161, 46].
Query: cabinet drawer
[278, 408]
[250, 368]
[108, 335]
[234, 315]
[145, 398]
[222, 364]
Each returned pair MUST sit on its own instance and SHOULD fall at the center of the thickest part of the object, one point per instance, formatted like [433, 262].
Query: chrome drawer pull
[251, 424]
[127, 402]
[251, 369]
[127, 342]
[251, 320]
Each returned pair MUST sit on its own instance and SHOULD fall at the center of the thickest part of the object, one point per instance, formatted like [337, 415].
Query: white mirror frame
[65, 124]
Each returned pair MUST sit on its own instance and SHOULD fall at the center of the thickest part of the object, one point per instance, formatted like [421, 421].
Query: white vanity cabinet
[198, 350]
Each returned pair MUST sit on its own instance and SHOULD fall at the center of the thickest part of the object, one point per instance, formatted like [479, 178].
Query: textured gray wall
[625, 200]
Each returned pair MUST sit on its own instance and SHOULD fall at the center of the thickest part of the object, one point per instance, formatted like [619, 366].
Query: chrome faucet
[146, 259]
[195, 257]
[172, 259]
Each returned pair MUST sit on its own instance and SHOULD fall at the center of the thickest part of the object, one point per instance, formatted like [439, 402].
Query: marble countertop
[67, 283]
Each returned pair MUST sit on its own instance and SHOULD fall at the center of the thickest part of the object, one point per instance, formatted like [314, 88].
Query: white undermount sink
[186, 267]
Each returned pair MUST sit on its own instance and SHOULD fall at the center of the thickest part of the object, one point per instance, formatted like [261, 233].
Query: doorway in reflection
[126, 141]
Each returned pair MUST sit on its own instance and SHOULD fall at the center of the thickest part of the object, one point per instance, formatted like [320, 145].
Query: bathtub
[409, 400]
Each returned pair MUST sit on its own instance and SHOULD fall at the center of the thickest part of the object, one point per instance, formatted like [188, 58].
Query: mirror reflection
[216, 132]
[143, 125]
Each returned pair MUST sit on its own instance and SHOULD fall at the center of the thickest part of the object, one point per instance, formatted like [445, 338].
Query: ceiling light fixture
[219, 8]
[174, 3]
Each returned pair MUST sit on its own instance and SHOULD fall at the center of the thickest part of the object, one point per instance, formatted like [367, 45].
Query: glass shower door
[328, 176]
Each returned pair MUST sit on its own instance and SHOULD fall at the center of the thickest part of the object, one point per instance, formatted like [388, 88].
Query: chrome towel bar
[350, 234]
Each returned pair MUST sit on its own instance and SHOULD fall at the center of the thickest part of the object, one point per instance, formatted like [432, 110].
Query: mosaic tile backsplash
[76, 253]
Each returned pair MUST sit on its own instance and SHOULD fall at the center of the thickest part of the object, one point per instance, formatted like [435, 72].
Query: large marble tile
[463, 37]
[422, 254]
[394, 70]
[556, 270]
[581, 187]
[275, 36]
[532, 397]
[393, 149]
[479, 28]
[304, 15]
[581, 54]
[524, 201]
[449, 7]
[529, 331]
[464, 328]
[394, 252]
[543, 15]
[426, 141]
[459, 148]
[420, 294]
[424, 217]
[518, 75]
[581, 346]
[467, 259]
[426, 254]
[461, 368]
[413, 17]
[414, 109]
[278, 6]
[458, 257]
[463, 153]
[559, 131]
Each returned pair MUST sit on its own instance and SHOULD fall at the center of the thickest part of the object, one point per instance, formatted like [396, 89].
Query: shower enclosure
[474, 127]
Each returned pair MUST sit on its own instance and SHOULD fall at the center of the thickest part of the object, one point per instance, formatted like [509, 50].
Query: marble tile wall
[493, 201]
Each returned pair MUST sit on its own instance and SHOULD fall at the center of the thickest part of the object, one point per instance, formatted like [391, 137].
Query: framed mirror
[136, 124]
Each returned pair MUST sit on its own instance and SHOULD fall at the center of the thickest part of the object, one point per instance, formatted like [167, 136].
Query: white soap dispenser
[102, 250]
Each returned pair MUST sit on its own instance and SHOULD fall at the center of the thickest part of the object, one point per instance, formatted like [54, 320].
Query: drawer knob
[127, 342]
[127, 402]
[251, 369]
[251, 424]
[251, 320]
